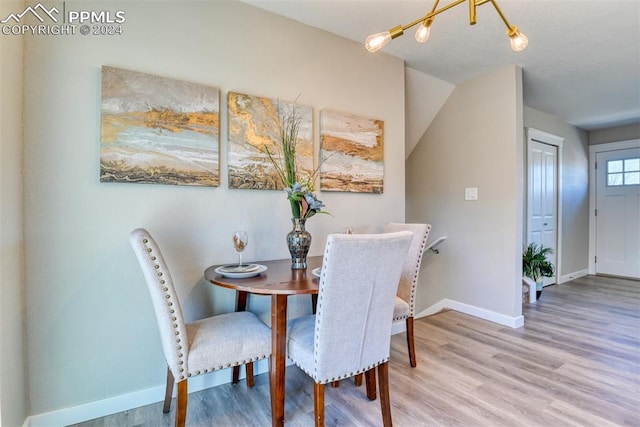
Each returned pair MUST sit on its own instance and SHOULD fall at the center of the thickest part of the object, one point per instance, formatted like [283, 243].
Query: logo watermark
[39, 20]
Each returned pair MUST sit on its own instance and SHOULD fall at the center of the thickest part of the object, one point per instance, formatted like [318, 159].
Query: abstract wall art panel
[254, 124]
[353, 149]
[157, 130]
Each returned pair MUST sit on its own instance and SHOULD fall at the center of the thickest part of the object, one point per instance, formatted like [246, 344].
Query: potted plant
[298, 186]
[535, 264]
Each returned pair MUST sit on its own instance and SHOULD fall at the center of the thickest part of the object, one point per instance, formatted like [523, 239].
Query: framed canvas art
[254, 131]
[353, 153]
[157, 130]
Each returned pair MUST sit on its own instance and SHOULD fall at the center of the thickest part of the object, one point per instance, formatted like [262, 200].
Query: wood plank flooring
[576, 362]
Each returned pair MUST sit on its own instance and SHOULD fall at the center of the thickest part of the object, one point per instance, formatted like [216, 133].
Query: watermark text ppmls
[39, 20]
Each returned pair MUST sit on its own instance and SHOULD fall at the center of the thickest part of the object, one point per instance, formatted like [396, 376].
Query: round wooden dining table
[279, 281]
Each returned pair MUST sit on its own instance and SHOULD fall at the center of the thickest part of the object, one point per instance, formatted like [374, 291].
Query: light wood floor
[576, 362]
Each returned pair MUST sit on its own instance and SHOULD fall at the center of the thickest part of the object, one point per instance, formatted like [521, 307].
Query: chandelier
[376, 41]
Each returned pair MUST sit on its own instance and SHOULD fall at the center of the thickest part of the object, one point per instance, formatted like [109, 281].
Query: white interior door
[542, 200]
[618, 212]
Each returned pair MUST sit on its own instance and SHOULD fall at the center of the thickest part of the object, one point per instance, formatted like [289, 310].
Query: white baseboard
[571, 276]
[113, 405]
[398, 326]
[492, 316]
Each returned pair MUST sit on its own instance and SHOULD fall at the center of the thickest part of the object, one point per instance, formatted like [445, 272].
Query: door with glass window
[618, 212]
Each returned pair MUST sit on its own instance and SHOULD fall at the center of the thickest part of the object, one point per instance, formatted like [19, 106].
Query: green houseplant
[535, 264]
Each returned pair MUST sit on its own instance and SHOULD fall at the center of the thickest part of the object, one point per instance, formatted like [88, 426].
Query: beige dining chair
[351, 330]
[199, 347]
[404, 309]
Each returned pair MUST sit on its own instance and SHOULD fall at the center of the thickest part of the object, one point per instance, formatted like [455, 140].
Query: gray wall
[91, 332]
[13, 402]
[575, 189]
[615, 134]
[420, 108]
[475, 140]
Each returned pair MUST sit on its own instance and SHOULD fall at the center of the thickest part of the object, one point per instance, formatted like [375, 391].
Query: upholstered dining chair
[198, 347]
[404, 309]
[351, 330]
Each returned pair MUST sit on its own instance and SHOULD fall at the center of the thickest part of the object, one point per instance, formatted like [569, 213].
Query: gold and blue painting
[353, 149]
[158, 130]
[254, 131]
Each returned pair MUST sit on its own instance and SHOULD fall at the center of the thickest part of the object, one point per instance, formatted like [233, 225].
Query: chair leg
[181, 403]
[357, 380]
[335, 384]
[318, 403]
[410, 343]
[235, 376]
[249, 368]
[168, 392]
[370, 380]
[385, 400]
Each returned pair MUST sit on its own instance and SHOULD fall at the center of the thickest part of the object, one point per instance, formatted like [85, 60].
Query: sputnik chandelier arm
[375, 42]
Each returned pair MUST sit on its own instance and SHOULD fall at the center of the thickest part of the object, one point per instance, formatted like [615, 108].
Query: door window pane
[614, 179]
[614, 166]
[631, 178]
[632, 165]
[623, 172]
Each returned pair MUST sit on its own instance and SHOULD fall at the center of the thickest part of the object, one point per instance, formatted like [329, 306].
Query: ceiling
[582, 63]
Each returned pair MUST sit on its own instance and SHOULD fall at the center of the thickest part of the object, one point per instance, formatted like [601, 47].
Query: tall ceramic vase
[299, 242]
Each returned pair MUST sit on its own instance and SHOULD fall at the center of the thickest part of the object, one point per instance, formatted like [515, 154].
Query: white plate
[235, 268]
[234, 272]
[316, 271]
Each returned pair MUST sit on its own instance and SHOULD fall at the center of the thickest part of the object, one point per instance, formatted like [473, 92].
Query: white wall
[575, 190]
[476, 140]
[91, 331]
[13, 401]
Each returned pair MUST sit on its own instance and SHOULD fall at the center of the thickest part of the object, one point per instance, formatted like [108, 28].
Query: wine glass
[240, 241]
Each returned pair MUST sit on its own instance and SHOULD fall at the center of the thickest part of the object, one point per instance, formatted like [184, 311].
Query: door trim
[550, 139]
[593, 151]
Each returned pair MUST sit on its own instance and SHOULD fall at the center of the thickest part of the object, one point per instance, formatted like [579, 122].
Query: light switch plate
[471, 193]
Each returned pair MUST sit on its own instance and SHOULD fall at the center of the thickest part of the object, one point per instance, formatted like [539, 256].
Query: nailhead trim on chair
[415, 277]
[318, 310]
[414, 281]
[341, 377]
[181, 360]
[228, 365]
